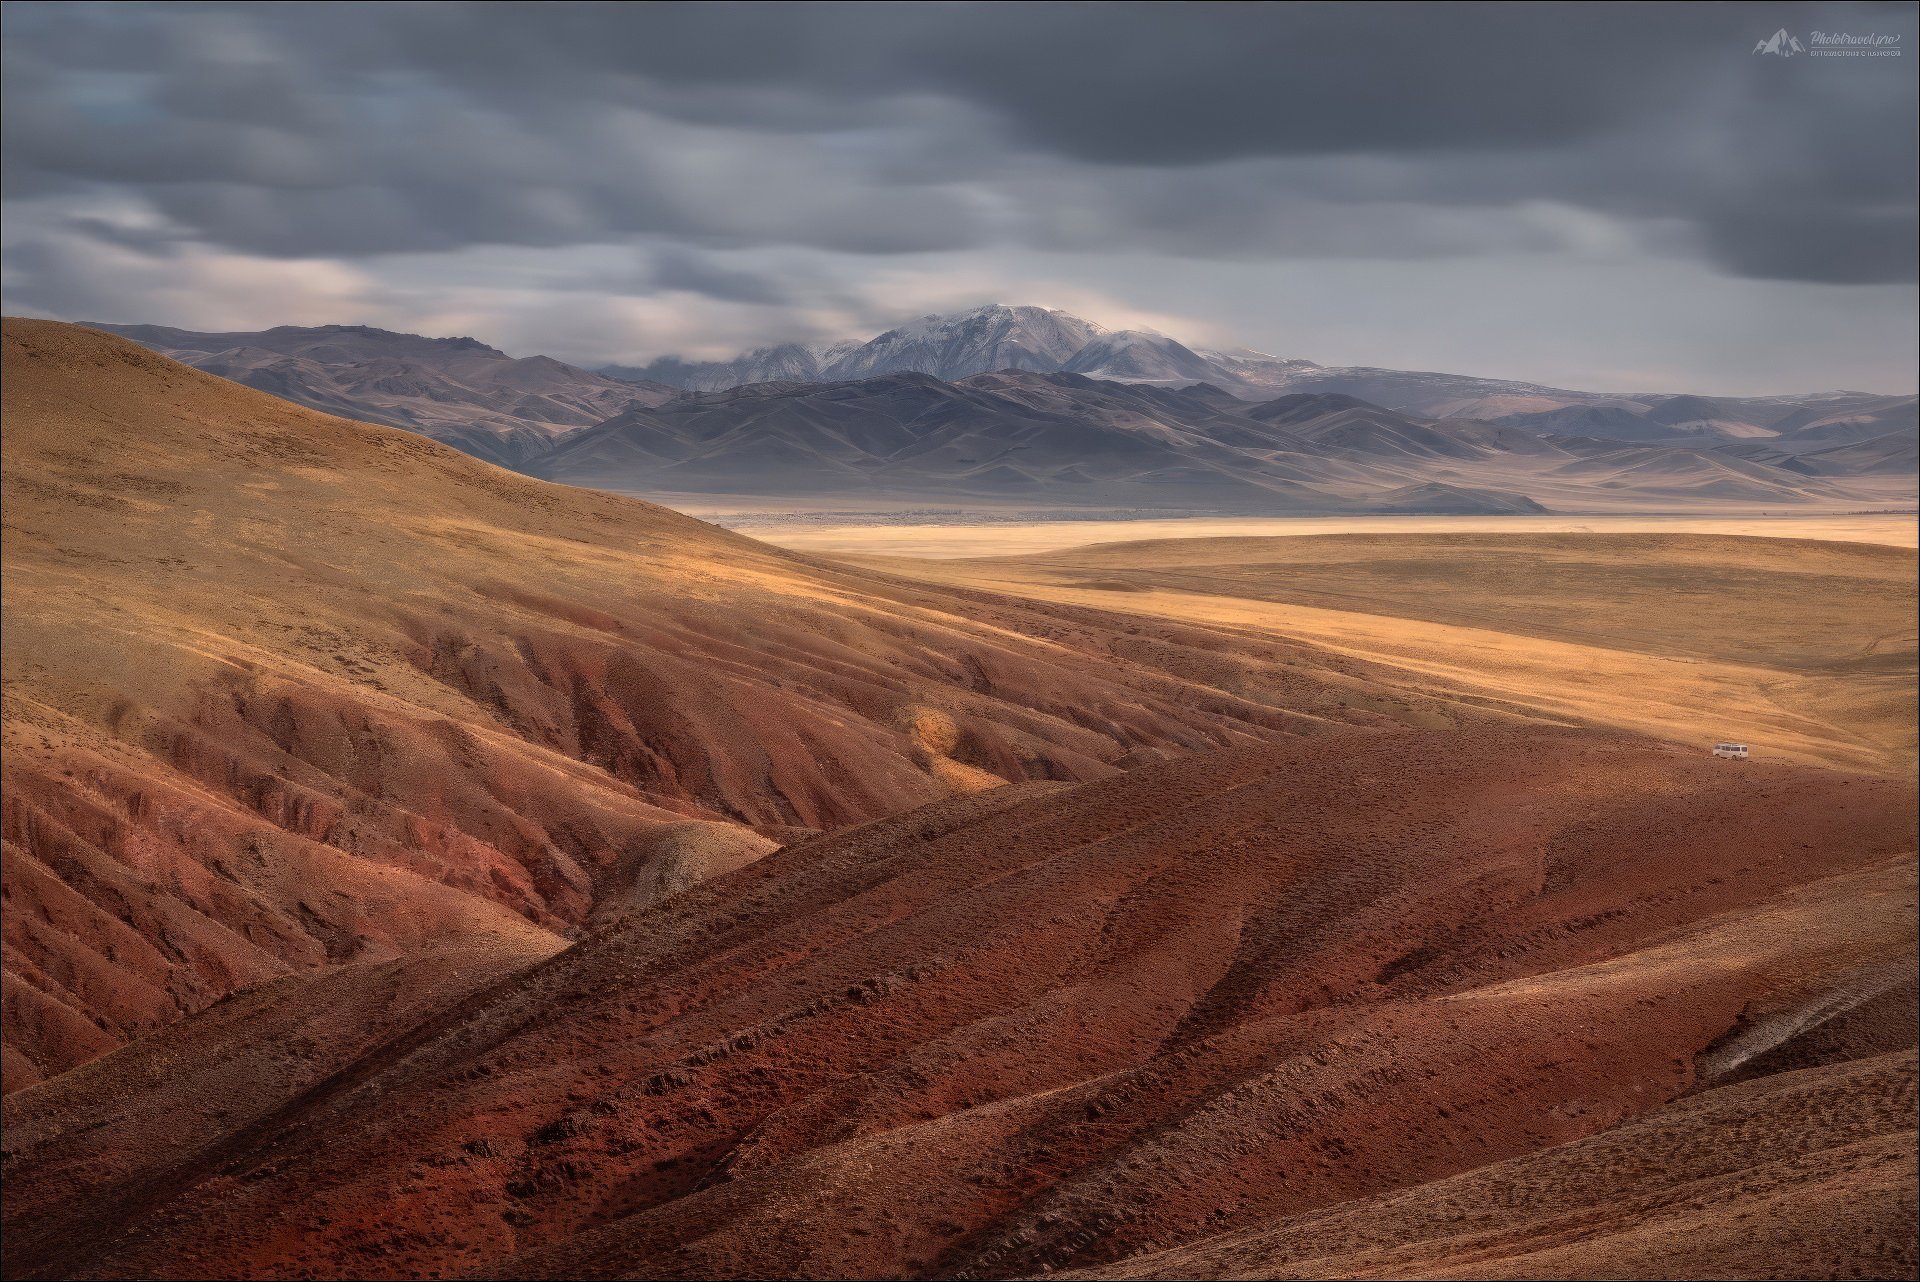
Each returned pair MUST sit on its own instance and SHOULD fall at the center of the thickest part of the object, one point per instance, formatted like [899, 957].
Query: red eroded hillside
[286, 691]
[1055, 1027]
[1800, 1174]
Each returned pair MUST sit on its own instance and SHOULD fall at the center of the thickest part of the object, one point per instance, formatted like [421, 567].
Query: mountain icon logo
[1780, 43]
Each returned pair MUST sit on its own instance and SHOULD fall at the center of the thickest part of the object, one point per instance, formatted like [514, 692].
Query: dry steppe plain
[1800, 641]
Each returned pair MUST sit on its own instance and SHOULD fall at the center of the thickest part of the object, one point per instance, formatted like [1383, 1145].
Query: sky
[1611, 197]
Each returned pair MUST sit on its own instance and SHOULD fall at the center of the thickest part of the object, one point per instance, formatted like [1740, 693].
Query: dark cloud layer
[1237, 131]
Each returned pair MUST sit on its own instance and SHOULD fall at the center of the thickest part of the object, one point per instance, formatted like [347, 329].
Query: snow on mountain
[976, 342]
[996, 337]
[1259, 372]
[981, 341]
[1141, 356]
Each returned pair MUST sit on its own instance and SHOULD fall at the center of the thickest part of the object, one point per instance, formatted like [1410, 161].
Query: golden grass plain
[949, 541]
[1802, 646]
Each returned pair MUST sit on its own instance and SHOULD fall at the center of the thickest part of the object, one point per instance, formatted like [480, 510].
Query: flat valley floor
[873, 535]
[1795, 634]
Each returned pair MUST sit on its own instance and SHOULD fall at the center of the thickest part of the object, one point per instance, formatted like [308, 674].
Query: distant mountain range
[996, 337]
[982, 341]
[1021, 405]
[1024, 436]
[456, 390]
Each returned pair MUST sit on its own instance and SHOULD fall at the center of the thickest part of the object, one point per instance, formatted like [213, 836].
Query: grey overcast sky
[1599, 196]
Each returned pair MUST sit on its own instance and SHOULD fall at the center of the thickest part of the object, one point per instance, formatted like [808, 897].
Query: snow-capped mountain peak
[983, 340]
[973, 342]
[1141, 356]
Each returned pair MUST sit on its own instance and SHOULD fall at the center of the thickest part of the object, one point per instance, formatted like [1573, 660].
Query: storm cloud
[747, 173]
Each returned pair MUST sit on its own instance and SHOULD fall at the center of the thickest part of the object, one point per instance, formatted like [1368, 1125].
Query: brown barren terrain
[1766, 1180]
[1053, 1026]
[417, 870]
[287, 691]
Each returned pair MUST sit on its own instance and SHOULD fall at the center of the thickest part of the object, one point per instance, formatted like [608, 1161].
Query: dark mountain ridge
[1024, 405]
[1017, 435]
[458, 391]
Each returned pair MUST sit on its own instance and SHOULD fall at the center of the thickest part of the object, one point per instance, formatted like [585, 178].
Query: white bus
[1737, 751]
